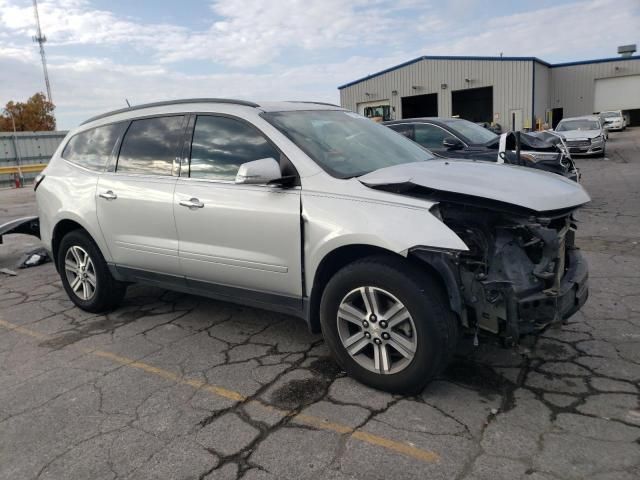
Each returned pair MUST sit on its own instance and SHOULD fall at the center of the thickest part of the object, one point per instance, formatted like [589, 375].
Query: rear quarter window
[92, 148]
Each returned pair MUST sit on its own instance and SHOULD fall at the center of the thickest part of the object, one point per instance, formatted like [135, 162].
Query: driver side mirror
[452, 143]
[259, 172]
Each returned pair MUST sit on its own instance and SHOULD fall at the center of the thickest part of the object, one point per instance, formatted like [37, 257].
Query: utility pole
[40, 39]
[19, 178]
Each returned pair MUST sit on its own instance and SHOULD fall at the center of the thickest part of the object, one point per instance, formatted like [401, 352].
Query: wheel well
[329, 265]
[342, 256]
[61, 229]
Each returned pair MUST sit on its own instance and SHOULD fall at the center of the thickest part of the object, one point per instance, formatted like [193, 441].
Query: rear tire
[85, 274]
[373, 343]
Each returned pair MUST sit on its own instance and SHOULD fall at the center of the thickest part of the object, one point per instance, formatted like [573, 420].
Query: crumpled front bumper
[538, 310]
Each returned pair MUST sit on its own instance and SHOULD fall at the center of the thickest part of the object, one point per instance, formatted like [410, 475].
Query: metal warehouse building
[515, 92]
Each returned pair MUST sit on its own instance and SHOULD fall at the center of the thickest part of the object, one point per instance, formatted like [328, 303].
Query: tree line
[36, 114]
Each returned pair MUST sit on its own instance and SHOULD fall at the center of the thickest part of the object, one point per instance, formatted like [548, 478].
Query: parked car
[459, 138]
[493, 127]
[317, 212]
[584, 135]
[613, 120]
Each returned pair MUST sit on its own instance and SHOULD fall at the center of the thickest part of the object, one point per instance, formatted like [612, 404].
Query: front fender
[331, 222]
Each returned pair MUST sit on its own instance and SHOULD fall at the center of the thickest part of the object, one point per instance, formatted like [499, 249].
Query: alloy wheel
[377, 330]
[80, 272]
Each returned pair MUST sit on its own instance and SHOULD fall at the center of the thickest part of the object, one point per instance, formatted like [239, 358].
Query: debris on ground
[6, 271]
[34, 258]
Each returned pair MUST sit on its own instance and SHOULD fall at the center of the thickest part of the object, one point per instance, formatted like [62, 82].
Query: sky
[101, 52]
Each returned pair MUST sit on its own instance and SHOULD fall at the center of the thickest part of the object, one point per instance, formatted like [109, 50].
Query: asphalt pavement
[175, 386]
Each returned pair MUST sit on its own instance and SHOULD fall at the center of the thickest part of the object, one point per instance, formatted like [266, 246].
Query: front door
[431, 137]
[238, 237]
[135, 202]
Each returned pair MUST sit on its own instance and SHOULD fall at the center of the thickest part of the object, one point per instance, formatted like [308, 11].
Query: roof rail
[315, 103]
[172, 102]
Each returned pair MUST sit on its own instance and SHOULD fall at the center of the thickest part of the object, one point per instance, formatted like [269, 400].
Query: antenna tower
[40, 39]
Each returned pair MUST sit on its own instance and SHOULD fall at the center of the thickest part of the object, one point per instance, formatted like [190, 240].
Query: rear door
[135, 199]
[236, 236]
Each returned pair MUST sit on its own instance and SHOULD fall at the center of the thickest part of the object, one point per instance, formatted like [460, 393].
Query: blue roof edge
[504, 59]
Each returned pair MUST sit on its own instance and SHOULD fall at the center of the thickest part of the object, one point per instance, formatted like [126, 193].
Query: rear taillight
[38, 181]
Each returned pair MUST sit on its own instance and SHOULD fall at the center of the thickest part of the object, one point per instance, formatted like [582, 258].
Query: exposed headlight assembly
[535, 157]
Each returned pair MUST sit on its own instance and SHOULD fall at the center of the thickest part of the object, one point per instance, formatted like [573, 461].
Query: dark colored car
[495, 128]
[458, 138]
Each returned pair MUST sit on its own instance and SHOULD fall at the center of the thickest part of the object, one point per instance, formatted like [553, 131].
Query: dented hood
[525, 187]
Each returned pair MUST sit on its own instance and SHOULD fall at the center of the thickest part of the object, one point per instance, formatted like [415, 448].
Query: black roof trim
[172, 102]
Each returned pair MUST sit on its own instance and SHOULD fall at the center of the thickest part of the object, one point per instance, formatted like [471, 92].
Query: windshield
[578, 125]
[610, 114]
[471, 131]
[346, 144]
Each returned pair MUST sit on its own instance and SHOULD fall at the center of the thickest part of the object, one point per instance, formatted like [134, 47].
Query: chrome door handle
[108, 195]
[192, 203]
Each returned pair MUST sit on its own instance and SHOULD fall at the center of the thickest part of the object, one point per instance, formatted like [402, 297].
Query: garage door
[619, 93]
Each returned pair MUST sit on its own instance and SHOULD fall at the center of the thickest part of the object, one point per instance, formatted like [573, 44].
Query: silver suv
[320, 213]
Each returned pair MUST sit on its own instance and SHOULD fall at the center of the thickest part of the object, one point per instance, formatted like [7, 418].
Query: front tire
[388, 324]
[85, 274]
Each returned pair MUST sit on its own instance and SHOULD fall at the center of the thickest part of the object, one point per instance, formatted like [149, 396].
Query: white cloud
[250, 32]
[85, 87]
[251, 40]
[570, 32]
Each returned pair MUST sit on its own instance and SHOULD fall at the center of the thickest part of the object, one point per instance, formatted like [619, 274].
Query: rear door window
[221, 144]
[92, 148]
[151, 145]
[430, 136]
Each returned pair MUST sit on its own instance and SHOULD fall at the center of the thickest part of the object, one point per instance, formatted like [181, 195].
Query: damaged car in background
[459, 138]
[584, 136]
[309, 209]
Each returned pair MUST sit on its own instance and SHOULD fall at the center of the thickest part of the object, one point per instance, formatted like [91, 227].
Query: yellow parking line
[23, 331]
[316, 422]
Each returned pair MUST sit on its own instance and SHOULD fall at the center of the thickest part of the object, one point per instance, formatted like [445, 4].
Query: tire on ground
[435, 324]
[108, 291]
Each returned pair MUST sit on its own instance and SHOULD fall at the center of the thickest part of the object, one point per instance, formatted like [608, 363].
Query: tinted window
[474, 133]
[220, 145]
[403, 129]
[150, 146]
[430, 136]
[346, 144]
[91, 149]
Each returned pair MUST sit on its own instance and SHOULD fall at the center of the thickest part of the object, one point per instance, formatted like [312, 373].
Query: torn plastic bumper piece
[24, 225]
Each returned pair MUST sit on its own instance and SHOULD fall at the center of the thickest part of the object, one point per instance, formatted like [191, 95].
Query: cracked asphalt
[177, 386]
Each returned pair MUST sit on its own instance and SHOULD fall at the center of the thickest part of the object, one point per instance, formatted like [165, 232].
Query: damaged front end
[522, 272]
